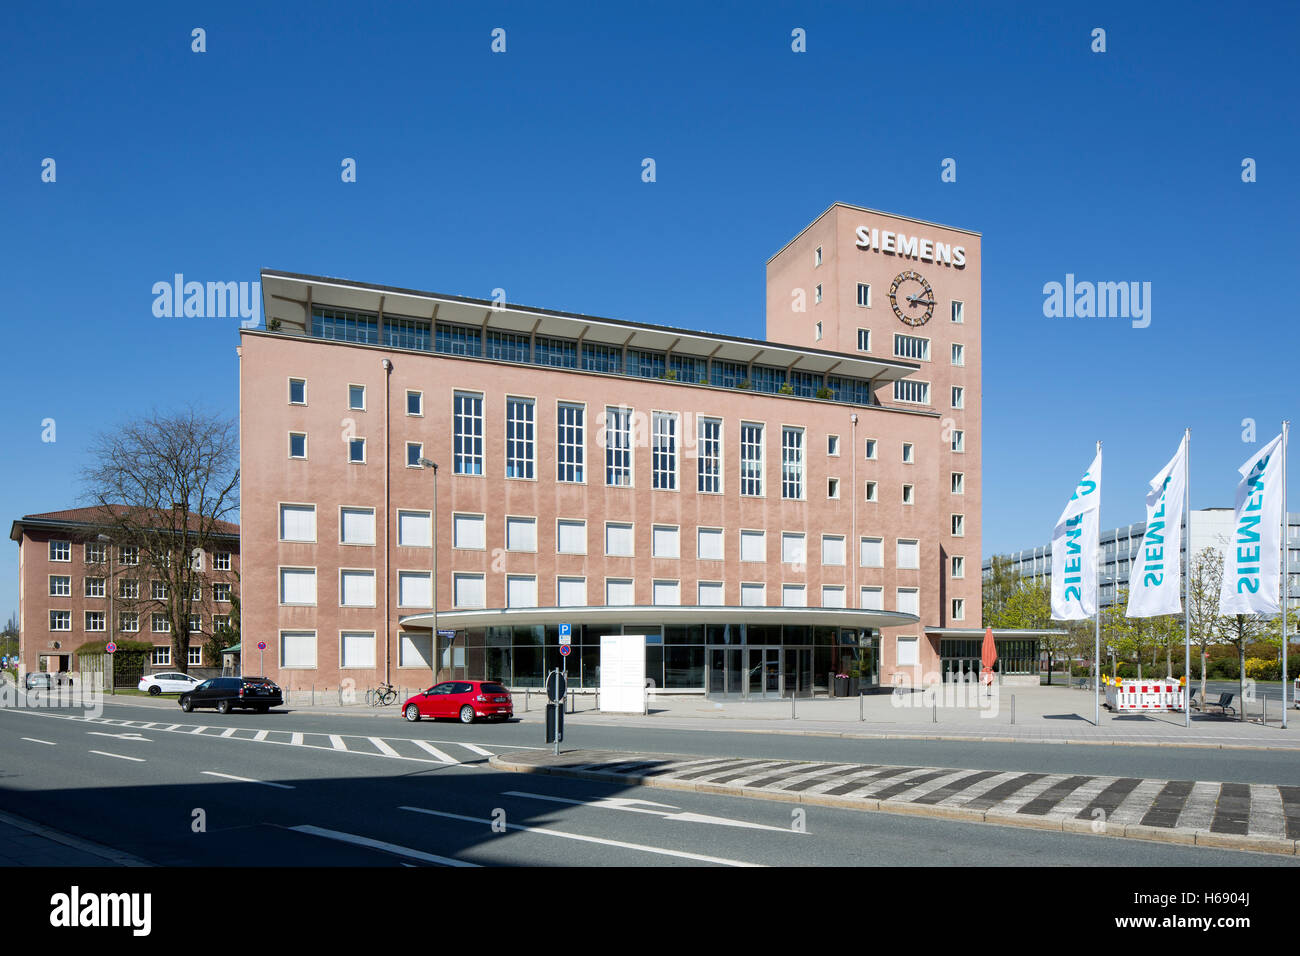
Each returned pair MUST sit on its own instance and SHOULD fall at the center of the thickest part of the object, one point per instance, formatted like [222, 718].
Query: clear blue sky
[522, 171]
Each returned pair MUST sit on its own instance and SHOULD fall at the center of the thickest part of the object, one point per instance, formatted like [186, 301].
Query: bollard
[934, 708]
[793, 715]
[527, 693]
[313, 695]
[860, 717]
[1013, 708]
[1264, 719]
[571, 710]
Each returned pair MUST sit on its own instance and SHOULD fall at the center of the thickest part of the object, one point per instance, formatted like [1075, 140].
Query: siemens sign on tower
[911, 247]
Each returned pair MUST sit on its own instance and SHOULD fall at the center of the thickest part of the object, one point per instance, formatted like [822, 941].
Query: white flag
[1153, 583]
[1252, 557]
[1074, 550]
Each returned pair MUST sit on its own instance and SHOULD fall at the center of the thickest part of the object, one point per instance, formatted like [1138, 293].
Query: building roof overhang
[281, 288]
[660, 614]
[1007, 632]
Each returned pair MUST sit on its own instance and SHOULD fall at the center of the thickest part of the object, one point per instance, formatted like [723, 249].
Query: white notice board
[622, 673]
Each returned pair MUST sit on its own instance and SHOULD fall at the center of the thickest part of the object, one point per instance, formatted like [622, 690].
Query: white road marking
[50, 743]
[231, 776]
[478, 750]
[379, 845]
[431, 749]
[104, 753]
[198, 730]
[628, 804]
[296, 740]
[171, 726]
[383, 748]
[584, 839]
[261, 735]
[229, 731]
[98, 733]
[337, 742]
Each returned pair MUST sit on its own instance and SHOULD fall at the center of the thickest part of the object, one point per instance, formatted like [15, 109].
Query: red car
[465, 699]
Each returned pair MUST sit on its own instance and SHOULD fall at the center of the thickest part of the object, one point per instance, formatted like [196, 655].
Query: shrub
[1258, 668]
[824, 393]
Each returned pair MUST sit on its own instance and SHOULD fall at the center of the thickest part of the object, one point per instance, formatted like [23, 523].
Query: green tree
[1203, 605]
[999, 584]
[227, 635]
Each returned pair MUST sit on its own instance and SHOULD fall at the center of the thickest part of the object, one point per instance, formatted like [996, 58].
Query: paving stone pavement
[1260, 817]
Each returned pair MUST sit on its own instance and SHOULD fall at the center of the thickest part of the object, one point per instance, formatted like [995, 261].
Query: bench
[1192, 702]
[1224, 703]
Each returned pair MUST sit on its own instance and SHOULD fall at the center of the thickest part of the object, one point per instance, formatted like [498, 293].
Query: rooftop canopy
[655, 615]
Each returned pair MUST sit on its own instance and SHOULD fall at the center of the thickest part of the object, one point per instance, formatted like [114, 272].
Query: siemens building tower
[770, 512]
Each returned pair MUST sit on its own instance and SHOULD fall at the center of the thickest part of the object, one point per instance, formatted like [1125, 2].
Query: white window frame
[915, 348]
[352, 447]
[713, 533]
[285, 632]
[708, 458]
[871, 449]
[343, 644]
[676, 537]
[631, 535]
[464, 519]
[520, 522]
[793, 470]
[754, 484]
[872, 491]
[958, 311]
[864, 336]
[620, 463]
[959, 442]
[867, 286]
[793, 539]
[958, 566]
[863, 541]
[467, 576]
[419, 395]
[571, 456]
[666, 583]
[958, 525]
[402, 541]
[467, 462]
[665, 455]
[303, 436]
[351, 406]
[572, 580]
[303, 382]
[843, 548]
[898, 553]
[752, 534]
[874, 590]
[423, 579]
[63, 548]
[559, 533]
[280, 585]
[958, 482]
[65, 586]
[63, 617]
[360, 510]
[358, 573]
[524, 457]
[959, 396]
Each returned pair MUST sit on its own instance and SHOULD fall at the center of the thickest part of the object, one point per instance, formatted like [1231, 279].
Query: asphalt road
[319, 790]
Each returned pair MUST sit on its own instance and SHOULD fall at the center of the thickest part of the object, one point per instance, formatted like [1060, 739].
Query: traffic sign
[556, 686]
[566, 649]
[261, 645]
[566, 634]
[111, 647]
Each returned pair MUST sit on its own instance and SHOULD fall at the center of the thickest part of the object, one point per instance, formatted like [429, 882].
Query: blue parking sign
[566, 631]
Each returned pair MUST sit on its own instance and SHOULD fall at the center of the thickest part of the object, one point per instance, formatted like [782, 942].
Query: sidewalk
[26, 843]
[1232, 816]
[1020, 714]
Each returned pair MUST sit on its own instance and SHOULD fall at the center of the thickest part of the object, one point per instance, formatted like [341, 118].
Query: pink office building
[768, 512]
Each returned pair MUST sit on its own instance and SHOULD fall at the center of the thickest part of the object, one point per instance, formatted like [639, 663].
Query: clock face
[912, 298]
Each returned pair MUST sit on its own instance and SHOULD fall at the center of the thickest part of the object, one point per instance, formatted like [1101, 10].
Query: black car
[233, 693]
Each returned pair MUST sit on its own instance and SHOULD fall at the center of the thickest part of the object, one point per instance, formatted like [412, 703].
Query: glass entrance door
[797, 672]
[726, 677]
[764, 676]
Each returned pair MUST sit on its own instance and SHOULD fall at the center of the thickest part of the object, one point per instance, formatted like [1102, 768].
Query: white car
[168, 683]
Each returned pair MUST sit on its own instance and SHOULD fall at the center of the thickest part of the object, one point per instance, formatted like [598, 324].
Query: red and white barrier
[1146, 695]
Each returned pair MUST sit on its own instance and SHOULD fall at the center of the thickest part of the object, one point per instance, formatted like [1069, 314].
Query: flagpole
[1286, 577]
[1187, 577]
[1096, 646]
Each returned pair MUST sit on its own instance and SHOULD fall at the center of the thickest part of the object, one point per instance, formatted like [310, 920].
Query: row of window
[129, 622]
[61, 551]
[469, 533]
[617, 434]
[161, 656]
[469, 590]
[521, 347]
[129, 589]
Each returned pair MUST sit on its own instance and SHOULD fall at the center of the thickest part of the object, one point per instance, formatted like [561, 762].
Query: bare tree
[1203, 606]
[165, 485]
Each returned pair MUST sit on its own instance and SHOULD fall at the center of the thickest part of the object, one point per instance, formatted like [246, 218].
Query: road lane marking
[229, 731]
[478, 750]
[104, 753]
[171, 726]
[231, 776]
[261, 735]
[337, 742]
[197, 730]
[34, 740]
[565, 835]
[383, 748]
[629, 805]
[431, 749]
[379, 845]
[295, 740]
[100, 733]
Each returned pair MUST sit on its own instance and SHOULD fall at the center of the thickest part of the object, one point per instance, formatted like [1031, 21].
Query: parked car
[168, 683]
[233, 693]
[463, 699]
[46, 679]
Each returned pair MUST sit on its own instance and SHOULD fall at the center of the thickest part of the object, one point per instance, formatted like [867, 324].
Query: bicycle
[381, 696]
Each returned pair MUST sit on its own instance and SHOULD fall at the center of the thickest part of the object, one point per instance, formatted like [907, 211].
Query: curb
[106, 853]
[1067, 824]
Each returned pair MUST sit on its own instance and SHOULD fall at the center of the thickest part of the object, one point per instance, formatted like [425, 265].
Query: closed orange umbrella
[988, 657]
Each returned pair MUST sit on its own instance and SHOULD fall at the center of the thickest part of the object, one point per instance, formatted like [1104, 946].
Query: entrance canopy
[662, 614]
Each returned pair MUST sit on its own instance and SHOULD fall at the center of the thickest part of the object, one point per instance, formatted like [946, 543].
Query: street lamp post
[433, 600]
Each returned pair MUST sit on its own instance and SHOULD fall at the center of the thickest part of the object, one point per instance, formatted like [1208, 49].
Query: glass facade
[744, 660]
[960, 657]
[449, 338]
